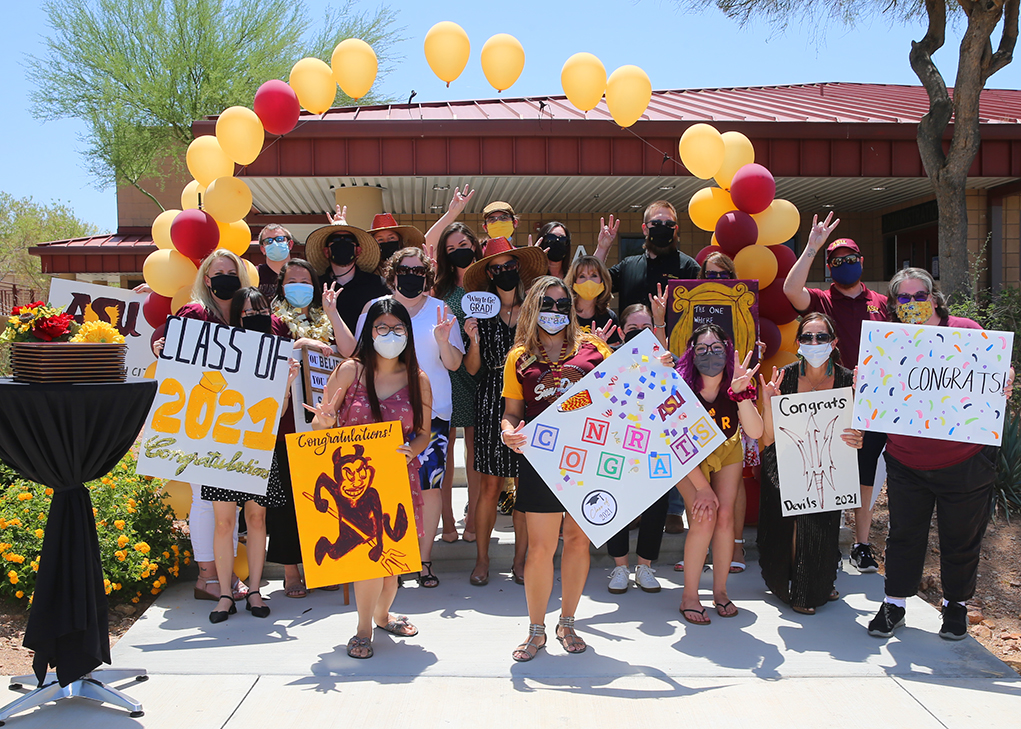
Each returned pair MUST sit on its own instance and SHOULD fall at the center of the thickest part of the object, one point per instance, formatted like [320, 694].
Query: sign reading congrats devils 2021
[214, 420]
[620, 438]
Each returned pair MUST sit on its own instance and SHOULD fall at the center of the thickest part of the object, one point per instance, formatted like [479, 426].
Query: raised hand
[538, 243]
[338, 218]
[471, 328]
[330, 292]
[460, 200]
[444, 323]
[607, 232]
[743, 377]
[657, 303]
[606, 331]
[514, 439]
[820, 232]
[326, 411]
[293, 368]
[769, 388]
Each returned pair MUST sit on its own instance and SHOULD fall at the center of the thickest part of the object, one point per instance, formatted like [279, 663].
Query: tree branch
[1008, 39]
[941, 108]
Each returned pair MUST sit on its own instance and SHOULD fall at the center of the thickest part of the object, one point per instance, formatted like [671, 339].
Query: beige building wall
[1011, 260]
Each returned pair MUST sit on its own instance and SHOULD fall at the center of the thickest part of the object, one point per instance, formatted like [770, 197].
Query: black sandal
[426, 578]
[257, 611]
[218, 616]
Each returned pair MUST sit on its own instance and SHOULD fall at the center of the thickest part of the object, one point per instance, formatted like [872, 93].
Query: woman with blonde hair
[589, 279]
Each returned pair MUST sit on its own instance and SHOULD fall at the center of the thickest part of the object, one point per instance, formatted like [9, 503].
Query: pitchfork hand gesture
[743, 377]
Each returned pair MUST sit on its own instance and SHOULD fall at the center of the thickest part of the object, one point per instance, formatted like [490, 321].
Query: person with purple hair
[709, 362]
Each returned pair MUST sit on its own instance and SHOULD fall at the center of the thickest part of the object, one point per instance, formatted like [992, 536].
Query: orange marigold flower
[24, 496]
[142, 547]
[134, 599]
[119, 524]
[3, 523]
[166, 555]
[39, 533]
[19, 594]
[48, 491]
[122, 541]
[13, 576]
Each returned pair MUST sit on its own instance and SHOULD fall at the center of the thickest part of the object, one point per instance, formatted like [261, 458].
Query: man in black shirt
[275, 243]
[346, 256]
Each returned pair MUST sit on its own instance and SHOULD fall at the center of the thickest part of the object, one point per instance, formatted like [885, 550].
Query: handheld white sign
[316, 369]
[480, 304]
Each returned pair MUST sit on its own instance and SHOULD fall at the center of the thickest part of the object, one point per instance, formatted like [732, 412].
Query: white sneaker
[619, 580]
[645, 580]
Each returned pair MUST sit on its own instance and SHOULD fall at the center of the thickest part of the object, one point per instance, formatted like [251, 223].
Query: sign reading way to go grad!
[480, 304]
[215, 417]
[934, 382]
[620, 438]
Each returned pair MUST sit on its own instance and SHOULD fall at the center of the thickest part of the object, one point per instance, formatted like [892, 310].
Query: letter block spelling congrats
[627, 416]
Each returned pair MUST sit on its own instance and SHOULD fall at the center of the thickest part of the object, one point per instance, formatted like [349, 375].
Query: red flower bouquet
[38, 322]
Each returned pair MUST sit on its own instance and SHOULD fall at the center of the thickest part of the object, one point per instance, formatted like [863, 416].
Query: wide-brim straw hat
[410, 235]
[315, 247]
[532, 260]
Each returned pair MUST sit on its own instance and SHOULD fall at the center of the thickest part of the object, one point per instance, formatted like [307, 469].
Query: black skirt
[274, 496]
[533, 494]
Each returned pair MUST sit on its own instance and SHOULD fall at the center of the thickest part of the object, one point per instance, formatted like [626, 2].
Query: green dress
[462, 384]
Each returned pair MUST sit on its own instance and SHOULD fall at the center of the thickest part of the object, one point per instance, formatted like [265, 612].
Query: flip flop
[737, 567]
[357, 642]
[721, 606]
[400, 626]
[685, 611]
[297, 590]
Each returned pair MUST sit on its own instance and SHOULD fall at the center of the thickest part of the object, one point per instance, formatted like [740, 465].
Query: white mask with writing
[390, 345]
[815, 354]
[553, 322]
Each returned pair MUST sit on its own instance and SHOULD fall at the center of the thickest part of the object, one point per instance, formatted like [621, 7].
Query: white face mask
[553, 322]
[815, 354]
[390, 346]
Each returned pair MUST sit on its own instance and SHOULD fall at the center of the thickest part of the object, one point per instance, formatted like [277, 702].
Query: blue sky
[677, 50]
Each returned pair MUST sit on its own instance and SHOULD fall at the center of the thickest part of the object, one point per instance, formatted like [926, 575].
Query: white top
[428, 353]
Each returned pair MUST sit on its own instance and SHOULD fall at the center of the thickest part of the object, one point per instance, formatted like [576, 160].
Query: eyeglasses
[550, 304]
[499, 218]
[815, 338]
[715, 348]
[278, 239]
[657, 223]
[851, 258]
[411, 271]
[917, 296]
[718, 274]
[496, 269]
[382, 329]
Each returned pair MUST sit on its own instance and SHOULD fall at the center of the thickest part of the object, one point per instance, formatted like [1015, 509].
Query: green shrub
[138, 545]
[1007, 487]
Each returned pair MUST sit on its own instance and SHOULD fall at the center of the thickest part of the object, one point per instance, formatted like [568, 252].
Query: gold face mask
[500, 229]
[588, 290]
[915, 312]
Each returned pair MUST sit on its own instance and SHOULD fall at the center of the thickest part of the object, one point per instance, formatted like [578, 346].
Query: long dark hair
[446, 274]
[237, 303]
[686, 365]
[366, 354]
[317, 291]
[831, 327]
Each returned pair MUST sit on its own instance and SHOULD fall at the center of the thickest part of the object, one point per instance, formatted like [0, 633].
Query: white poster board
[620, 438]
[120, 307]
[934, 382]
[818, 470]
[316, 369]
[215, 417]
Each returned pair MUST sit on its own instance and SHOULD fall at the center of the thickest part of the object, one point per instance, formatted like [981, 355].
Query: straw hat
[410, 235]
[532, 260]
[315, 247]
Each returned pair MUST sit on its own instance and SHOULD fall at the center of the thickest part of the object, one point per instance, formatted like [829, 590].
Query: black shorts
[533, 494]
[872, 445]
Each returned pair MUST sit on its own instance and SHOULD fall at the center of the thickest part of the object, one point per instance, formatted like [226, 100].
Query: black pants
[650, 532]
[281, 521]
[962, 495]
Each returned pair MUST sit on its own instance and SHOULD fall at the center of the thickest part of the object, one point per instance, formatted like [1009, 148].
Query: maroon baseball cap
[841, 243]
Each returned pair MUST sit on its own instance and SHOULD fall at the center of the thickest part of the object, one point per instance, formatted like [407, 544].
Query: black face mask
[409, 285]
[461, 257]
[632, 334]
[388, 249]
[224, 285]
[257, 323]
[661, 236]
[507, 280]
[559, 246]
[342, 252]
[710, 364]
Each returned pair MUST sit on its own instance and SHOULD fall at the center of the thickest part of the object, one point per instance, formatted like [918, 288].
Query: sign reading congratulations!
[620, 438]
[934, 382]
[214, 420]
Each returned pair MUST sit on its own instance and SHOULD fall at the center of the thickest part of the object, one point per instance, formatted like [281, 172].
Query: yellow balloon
[584, 80]
[714, 242]
[739, 152]
[253, 272]
[707, 205]
[207, 160]
[781, 359]
[778, 223]
[502, 59]
[166, 271]
[190, 195]
[161, 229]
[702, 150]
[241, 563]
[628, 93]
[150, 372]
[447, 49]
[757, 263]
[354, 67]
[788, 334]
[177, 495]
[182, 297]
[312, 80]
[235, 237]
[227, 199]
[240, 134]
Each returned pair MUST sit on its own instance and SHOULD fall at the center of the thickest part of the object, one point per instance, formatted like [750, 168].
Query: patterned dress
[492, 457]
[462, 384]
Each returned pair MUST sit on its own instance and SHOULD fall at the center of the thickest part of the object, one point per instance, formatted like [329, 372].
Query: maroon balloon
[277, 107]
[704, 253]
[785, 260]
[194, 233]
[774, 304]
[735, 230]
[753, 188]
[156, 309]
[769, 334]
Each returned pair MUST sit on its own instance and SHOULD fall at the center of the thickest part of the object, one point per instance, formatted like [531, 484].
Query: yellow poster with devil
[352, 498]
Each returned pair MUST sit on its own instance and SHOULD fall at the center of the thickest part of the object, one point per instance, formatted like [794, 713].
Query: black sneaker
[955, 622]
[861, 557]
[888, 619]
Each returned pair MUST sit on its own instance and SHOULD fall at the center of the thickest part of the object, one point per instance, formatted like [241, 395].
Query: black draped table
[63, 435]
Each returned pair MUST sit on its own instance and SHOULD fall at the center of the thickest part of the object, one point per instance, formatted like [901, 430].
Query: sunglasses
[704, 349]
[498, 268]
[341, 238]
[411, 271]
[560, 305]
[815, 338]
[382, 329]
[719, 274]
[278, 239]
[851, 258]
[661, 223]
[549, 238]
[917, 296]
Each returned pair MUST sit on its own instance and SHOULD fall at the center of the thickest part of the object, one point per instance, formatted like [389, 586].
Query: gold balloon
[227, 199]
[150, 372]
[177, 495]
[628, 93]
[312, 80]
[707, 205]
[739, 152]
[447, 49]
[240, 134]
[182, 297]
[354, 67]
[207, 160]
[190, 195]
[781, 359]
[253, 272]
[241, 564]
[788, 334]
[235, 237]
[778, 223]
[757, 263]
[702, 150]
[161, 229]
[167, 271]
[714, 242]
[584, 80]
[503, 60]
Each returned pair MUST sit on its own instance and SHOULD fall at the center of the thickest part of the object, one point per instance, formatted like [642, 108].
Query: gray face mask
[710, 364]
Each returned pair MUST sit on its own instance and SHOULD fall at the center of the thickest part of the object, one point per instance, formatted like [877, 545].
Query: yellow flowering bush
[98, 332]
[138, 545]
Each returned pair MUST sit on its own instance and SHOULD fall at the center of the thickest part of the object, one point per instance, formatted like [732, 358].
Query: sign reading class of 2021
[620, 438]
[216, 412]
[934, 382]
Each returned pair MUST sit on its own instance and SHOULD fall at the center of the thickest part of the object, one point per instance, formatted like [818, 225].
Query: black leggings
[650, 532]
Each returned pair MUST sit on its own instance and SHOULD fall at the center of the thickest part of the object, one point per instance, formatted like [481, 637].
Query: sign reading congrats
[214, 420]
[620, 438]
[935, 382]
